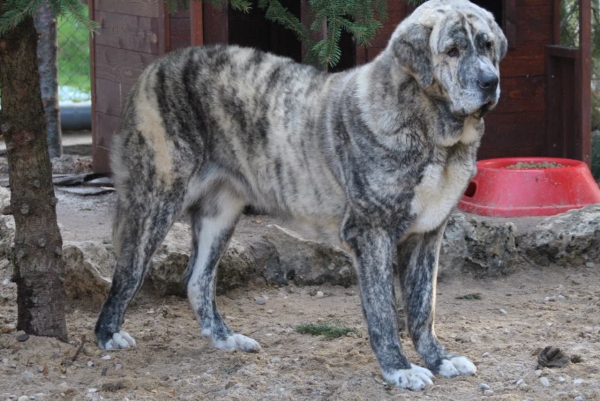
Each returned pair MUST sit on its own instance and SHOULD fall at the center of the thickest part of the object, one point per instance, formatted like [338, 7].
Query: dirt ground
[501, 333]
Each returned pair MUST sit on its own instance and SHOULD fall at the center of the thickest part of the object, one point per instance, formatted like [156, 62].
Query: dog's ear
[411, 49]
[502, 42]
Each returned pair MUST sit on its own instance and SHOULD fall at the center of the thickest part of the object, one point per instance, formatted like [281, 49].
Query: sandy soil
[502, 333]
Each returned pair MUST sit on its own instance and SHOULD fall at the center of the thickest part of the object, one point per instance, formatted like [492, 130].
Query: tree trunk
[37, 256]
[47, 48]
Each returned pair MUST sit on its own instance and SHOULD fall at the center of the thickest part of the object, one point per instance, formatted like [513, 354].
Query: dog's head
[453, 49]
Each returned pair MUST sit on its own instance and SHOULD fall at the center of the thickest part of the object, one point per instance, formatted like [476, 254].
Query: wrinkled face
[453, 48]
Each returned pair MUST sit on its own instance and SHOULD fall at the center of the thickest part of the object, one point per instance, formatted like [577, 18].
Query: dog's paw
[415, 378]
[237, 341]
[457, 365]
[119, 340]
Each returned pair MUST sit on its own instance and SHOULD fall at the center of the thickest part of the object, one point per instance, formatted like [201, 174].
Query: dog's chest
[439, 191]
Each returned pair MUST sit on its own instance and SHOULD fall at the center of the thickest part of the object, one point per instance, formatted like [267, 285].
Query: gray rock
[70, 164]
[244, 258]
[489, 246]
[170, 261]
[21, 336]
[28, 378]
[570, 238]
[278, 256]
[481, 245]
[307, 262]
[88, 270]
[7, 225]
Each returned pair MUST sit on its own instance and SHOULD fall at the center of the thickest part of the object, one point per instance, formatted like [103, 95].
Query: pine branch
[76, 10]
[16, 12]
[276, 12]
[361, 18]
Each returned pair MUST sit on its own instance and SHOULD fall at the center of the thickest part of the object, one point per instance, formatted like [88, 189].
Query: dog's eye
[453, 52]
[488, 45]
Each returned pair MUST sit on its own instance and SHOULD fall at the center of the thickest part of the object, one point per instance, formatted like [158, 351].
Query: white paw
[458, 365]
[415, 378]
[237, 341]
[119, 340]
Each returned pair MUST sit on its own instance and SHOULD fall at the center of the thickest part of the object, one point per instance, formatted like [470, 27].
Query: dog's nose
[488, 81]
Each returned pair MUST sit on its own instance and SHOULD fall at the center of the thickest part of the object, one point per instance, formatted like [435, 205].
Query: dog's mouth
[483, 110]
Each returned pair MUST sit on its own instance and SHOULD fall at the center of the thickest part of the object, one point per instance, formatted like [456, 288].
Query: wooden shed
[544, 108]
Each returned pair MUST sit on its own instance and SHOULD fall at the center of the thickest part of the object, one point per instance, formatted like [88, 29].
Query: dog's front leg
[372, 251]
[417, 265]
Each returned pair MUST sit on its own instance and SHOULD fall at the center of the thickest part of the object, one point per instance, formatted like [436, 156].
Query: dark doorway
[494, 6]
[252, 29]
[348, 58]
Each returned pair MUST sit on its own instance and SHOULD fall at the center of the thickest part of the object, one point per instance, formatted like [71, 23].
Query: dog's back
[218, 113]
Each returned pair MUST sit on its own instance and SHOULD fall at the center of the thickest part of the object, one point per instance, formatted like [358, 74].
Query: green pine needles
[329, 330]
[361, 18]
[15, 11]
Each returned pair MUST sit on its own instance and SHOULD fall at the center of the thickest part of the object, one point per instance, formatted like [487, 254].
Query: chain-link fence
[74, 84]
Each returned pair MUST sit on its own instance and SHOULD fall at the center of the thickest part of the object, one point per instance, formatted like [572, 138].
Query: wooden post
[556, 22]
[164, 29]
[196, 15]
[215, 24]
[585, 79]
[510, 22]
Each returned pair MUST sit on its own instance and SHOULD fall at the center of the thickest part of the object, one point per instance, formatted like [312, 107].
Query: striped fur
[375, 157]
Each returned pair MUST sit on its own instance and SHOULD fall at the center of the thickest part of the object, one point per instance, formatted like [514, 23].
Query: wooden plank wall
[180, 30]
[517, 126]
[397, 11]
[132, 34]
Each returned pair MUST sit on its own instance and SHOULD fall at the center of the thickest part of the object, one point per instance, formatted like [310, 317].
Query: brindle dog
[378, 155]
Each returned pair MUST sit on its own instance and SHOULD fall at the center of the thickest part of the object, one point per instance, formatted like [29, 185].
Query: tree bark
[47, 50]
[37, 254]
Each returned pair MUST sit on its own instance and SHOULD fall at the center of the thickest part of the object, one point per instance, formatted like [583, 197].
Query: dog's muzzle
[488, 83]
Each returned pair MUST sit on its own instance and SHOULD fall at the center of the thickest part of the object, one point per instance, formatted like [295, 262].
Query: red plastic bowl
[503, 192]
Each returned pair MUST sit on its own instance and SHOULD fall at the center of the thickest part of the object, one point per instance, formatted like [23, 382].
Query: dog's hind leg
[372, 251]
[213, 223]
[417, 265]
[143, 223]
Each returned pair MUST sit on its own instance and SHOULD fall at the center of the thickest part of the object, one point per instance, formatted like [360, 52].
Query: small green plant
[329, 330]
[471, 297]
